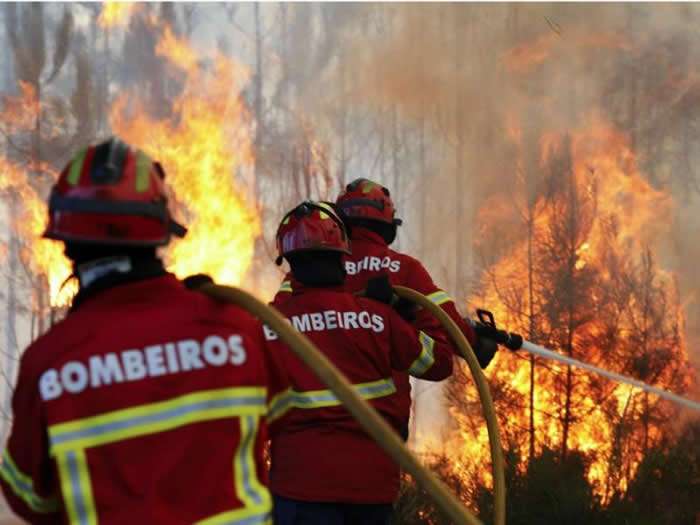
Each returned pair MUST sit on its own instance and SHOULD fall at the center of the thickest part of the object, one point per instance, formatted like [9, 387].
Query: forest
[542, 156]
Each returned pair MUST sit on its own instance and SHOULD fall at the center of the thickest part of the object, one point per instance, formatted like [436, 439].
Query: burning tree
[584, 282]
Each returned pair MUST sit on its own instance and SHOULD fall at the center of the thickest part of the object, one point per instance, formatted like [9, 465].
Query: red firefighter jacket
[372, 257]
[319, 452]
[145, 405]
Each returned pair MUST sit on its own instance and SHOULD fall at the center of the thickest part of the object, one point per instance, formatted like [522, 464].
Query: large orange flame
[205, 148]
[206, 151]
[630, 217]
[23, 179]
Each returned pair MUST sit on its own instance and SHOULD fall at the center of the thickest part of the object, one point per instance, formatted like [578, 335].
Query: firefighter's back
[334, 459]
[153, 397]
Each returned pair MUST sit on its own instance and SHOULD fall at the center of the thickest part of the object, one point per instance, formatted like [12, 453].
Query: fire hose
[365, 415]
[466, 351]
[516, 342]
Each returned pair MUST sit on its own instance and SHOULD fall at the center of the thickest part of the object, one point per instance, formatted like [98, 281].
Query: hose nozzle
[487, 327]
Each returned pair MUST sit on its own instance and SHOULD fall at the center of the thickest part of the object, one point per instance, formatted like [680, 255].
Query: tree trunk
[11, 347]
[531, 330]
[459, 152]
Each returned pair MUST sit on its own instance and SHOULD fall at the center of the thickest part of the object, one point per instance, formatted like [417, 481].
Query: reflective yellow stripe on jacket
[68, 442]
[439, 297]
[23, 486]
[286, 286]
[290, 399]
[426, 358]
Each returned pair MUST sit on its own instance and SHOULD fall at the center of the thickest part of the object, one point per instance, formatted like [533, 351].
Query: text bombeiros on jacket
[372, 264]
[134, 364]
[331, 320]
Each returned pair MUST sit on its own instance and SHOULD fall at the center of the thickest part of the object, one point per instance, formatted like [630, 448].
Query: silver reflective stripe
[426, 358]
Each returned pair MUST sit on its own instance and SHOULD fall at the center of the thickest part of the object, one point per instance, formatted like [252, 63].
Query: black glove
[485, 349]
[379, 288]
[196, 281]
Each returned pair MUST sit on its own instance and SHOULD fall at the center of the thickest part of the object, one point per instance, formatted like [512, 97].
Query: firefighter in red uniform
[325, 468]
[147, 403]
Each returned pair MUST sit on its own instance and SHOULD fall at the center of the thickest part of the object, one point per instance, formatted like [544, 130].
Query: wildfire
[116, 14]
[206, 151]
[22, 181]
[203, 149]
[620, 214]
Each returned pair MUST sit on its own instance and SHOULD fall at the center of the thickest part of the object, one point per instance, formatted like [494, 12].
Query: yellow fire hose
[370, 420]
[499, 482]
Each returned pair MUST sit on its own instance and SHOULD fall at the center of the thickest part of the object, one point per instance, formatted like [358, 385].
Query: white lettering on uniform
[301, 323]
[377, 323]
[364, 320]
[134, 366]
[171, 358]
[74, 376]
[104, 370]
[238, 353]
[317, 321]
[331, 318]
[350, 268]
[131, 365]
[372, 264]
[49, 386]
[350, 320]
[215, 350]
[270, 334]
[188, 351]
[154, 360]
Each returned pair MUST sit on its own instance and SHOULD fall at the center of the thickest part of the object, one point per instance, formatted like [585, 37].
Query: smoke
[488, 83]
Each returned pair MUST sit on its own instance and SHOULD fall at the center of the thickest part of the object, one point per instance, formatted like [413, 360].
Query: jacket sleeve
[416, 352]
[285, 290]
[26, 473]
[425, 285]
[279, 383]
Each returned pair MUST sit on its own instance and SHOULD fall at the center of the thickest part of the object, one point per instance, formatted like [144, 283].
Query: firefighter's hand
[485, 349]
[486, 344]
[380, 289]
[196, 281]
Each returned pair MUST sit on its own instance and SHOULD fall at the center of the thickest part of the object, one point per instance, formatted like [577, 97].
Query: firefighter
[146, 404]
[325, 469]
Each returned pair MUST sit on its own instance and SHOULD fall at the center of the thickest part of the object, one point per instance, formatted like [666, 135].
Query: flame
[23, 180]
[116, 14]
[629, 218]
[203, 149]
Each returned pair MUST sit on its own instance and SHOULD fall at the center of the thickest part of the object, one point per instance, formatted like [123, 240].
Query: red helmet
[364, 199]
[111, 193]
[311, 226]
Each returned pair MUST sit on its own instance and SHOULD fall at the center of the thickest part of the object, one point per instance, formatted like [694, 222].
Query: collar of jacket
[363, 234]
[117, 271]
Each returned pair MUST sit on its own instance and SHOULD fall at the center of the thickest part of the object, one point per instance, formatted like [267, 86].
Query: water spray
[514, 341]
